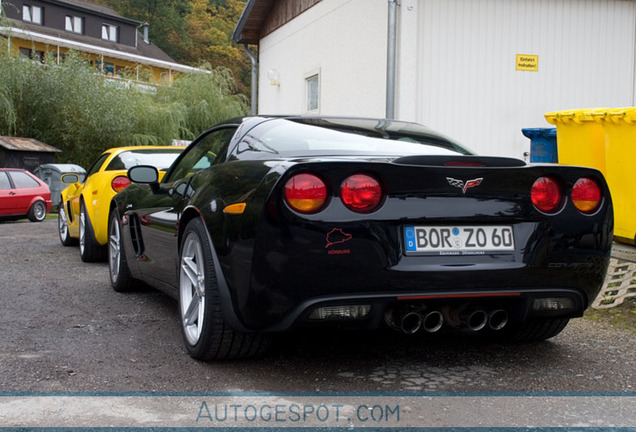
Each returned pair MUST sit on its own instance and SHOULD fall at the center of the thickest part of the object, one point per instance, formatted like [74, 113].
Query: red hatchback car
[23, 195]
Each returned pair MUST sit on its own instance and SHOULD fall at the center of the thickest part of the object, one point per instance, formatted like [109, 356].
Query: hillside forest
[193, 32]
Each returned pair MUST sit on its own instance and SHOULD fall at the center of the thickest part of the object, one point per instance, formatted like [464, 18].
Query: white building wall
[467, 85]
[456, 65]
[343, 40]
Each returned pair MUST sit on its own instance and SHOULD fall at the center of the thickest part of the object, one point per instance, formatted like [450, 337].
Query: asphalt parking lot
[64, 329]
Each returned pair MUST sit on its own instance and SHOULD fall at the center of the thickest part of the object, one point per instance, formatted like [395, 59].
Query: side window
[312, 86]
[202, 154]
[97, 165]
[4, 181]
[23, 181]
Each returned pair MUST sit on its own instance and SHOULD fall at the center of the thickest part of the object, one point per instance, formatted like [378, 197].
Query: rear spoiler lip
[460, 161]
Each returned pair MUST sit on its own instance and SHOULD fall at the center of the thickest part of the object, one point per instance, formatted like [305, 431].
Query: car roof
[370, 124]
[16, 169]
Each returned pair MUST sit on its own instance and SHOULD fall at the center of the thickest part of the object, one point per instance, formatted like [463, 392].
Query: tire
[206, 334]
[62, 228]
[90, 250]
[120, 277]
[37, 212]
[536, 330]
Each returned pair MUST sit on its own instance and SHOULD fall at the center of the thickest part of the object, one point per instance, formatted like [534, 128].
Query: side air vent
[135, 235]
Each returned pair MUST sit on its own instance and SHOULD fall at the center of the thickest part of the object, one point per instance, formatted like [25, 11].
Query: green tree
[70, 107]
[206, 98]
[210, 24]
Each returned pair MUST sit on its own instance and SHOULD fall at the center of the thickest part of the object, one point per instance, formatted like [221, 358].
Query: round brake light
[546, 194]
[305, 193]
[120, 183]
[586, 195]
[361, 193]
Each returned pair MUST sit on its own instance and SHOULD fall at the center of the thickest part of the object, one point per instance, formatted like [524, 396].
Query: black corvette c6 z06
[267, 224]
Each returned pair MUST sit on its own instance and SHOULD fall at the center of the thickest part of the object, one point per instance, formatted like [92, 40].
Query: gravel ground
[64, 329]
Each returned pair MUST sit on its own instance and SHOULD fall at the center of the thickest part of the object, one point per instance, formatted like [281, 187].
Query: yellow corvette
[84, 205]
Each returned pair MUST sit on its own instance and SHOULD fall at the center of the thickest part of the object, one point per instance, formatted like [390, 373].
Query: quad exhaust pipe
[412, 320]
[497, 319]
[432, 321]
[474, 319]
[409, 322]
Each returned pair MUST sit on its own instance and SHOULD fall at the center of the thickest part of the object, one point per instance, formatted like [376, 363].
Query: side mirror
[144, 174]
[70, 178]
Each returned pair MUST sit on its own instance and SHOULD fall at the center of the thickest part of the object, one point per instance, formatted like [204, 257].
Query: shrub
[72, 108]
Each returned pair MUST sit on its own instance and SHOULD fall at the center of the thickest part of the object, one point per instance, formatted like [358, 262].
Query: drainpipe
[391, 59]
[254, 83]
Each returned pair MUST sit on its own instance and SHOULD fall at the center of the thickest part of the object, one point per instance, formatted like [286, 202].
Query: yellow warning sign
[527, 62]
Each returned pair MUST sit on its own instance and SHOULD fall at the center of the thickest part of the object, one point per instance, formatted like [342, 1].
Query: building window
[32, 14]
[33, 54]
[312, 83]
[110, 32]
[74, 24]
[107, 68]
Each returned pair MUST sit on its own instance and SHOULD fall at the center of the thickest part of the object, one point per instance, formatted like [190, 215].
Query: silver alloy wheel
[192, 288]
[114, 245]
[39, 210]
[82, 229]
[62, 223]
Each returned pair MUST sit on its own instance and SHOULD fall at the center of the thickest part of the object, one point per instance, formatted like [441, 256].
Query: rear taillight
[120, 183]
[305, 193]
[586, 195]
[361, 193]
[546, 194]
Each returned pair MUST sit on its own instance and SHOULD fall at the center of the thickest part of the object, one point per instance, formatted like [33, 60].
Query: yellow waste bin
[580, 136]
[620, 158]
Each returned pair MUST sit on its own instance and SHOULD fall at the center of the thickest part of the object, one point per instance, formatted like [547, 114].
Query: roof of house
[261, 17]
[94, 7]
[248, 28]
[26, 144]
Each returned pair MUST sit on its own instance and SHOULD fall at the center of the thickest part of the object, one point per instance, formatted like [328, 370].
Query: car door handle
[11, 193]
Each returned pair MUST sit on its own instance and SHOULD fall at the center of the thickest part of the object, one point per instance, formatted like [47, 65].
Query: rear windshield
[290, 138]
[159, 158]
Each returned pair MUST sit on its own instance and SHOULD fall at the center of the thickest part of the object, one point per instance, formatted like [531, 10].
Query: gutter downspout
[254, 82]
[391, 59]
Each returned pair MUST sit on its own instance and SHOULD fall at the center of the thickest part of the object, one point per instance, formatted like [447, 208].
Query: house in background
[476, 70]
[25, 153]
[112, 43]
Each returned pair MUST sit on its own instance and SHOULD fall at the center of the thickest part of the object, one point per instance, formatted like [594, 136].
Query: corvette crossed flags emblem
[464, 186]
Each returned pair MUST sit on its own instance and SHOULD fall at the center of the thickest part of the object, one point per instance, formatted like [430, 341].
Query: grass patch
[621, 316]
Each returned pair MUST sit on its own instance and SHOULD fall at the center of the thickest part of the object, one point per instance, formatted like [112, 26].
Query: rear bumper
[519, 305]
[288, 277]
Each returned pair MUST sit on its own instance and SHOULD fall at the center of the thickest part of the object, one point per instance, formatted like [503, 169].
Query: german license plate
[459, 240]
